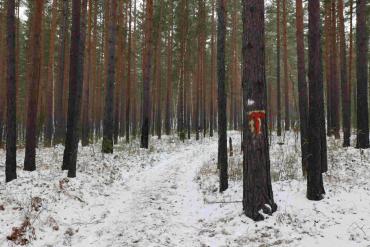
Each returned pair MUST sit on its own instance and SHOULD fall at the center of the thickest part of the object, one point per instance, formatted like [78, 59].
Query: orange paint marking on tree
[255, 121]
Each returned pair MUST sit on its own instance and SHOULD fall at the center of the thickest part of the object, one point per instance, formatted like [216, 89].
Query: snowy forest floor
[168, 196]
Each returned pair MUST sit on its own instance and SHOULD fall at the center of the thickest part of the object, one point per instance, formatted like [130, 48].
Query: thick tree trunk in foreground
[302, 84]
[222, 119]
[362, 78]
[147, 75]
[11, 133]
[346, 98]
[75, 86]
[107, 146]
[257, 190]
[317, 161]
[33, 89]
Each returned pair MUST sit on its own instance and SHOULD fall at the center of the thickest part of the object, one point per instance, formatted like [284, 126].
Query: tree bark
[128, 98]
[222, 104]
[285, 58]
[317, 161]
[135, 80]
[107, 146]
[147, 75]
[346, 97]
[350, 63]
[76, 78]
[302, 84]
[180, 97]
[11, 133]
[3, 72]
[362, 78]
[88, 78]
[334, 85]
[213, 71]
[168, 116]
[257, 189]
[33, 89]
[50, 77]
[158, 79]
[327, 28]
[278, 85]
[59, 120]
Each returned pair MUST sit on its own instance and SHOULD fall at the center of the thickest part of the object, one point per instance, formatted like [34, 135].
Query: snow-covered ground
[168, 196]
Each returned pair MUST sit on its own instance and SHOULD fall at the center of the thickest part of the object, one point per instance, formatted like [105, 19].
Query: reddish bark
[33, 89]
[50, 77]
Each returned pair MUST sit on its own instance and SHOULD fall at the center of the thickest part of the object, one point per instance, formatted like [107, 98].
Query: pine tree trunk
[3, 79]
[11, 133]
[88, 71]
[317, 161]
[203, 57]
[362, 77]
[135, 80]
[346, 98]
[119, 77]
[128, 98]
[334, 85]
[285, 58]
[327, 28]
[120, 90]
[20, 110]
[187, 93]
[213, 71]
[180, 97]
[278, 85]
[50, 78]
[158, 79]
[41, 105]
[350, 64]
[222, 105]
[302, 84]
[76, 78]
[59, 120]
[147, 74]
[234, 67]
[257, 190]
[33, 89]
[107, 146]
[168, 116]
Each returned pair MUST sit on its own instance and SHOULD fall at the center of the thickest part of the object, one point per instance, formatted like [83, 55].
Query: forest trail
[168, 196]
[157, 206]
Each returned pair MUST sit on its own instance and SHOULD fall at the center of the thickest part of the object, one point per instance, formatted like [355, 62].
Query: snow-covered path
[156, 209]
[134, 197]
